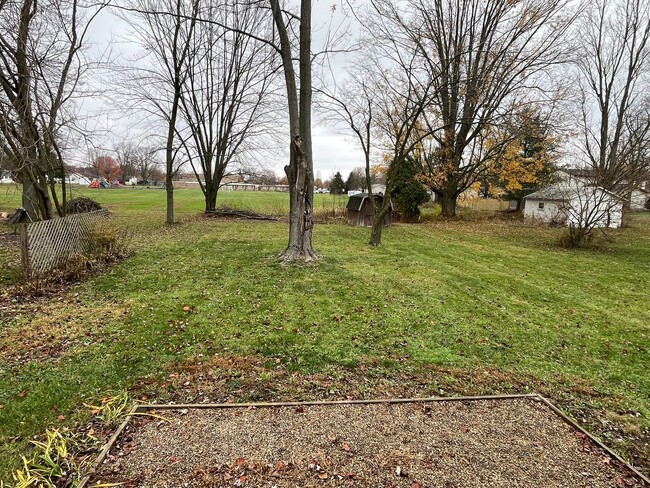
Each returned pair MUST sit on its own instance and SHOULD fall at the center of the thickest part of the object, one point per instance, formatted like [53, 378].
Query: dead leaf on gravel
[415, 484]
[346, 447]
[323, 475]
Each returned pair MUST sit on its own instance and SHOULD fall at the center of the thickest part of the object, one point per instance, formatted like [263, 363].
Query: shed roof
[562, 192]
[355, 202]
[551, 192]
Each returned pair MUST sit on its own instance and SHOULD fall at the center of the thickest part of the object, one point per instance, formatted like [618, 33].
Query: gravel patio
[506, 442]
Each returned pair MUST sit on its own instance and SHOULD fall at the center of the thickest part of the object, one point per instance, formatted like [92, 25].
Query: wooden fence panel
[50, 244]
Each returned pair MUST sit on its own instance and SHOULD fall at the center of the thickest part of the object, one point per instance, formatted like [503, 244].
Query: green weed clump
[112, 410]
[56, 461]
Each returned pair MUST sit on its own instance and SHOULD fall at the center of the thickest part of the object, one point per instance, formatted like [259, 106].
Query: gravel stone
[509, 443]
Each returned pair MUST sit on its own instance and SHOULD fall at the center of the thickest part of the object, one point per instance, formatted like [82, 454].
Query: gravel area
[515, 442]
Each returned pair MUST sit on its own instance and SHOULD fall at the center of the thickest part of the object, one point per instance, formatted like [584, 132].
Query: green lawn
[441, 308]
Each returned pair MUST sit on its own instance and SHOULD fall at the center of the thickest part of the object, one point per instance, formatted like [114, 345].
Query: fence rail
[52, 244]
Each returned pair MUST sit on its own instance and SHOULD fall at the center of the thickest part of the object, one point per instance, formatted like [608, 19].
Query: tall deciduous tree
[481, 57]
[613, 60]
[300, 170]
[106, 167]
[41, 69]
[165, 29]
[225, 103]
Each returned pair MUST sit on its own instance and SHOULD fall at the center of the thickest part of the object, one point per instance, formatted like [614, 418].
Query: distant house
[573, 202]
[5, 178]
[77, 179]
[360, 212]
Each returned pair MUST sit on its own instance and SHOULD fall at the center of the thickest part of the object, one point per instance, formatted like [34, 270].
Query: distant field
[462, 307]
[138, 200]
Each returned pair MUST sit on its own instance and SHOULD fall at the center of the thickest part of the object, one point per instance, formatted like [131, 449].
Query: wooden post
[24, 251]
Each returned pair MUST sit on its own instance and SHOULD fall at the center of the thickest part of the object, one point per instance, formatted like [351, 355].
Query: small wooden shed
[360, 210]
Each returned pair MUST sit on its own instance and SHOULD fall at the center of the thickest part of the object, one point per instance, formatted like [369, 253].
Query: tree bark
[449, 200]
[30, 200]
[300, 171]
[378, 222]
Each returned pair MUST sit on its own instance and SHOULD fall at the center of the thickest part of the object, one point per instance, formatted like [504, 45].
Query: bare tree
[300, 170]
[138, 161]
[614, 67]
[42, 63]
[481, 56]
[126, 154]
[165, 29]
[588, 208]
[225, 106]
[354, 105]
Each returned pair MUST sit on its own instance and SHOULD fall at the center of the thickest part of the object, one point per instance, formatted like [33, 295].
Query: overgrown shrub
[82, 205]
[105, 240]
[576, 237]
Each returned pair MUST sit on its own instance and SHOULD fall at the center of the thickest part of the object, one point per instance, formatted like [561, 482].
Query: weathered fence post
[24, 251]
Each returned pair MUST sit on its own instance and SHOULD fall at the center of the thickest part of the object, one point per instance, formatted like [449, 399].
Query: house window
[541, 205]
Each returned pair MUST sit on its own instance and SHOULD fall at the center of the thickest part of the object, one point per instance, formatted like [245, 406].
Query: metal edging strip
[595, 440]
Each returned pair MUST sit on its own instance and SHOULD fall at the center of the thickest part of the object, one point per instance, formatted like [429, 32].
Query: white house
[573, 202]
[77, 179]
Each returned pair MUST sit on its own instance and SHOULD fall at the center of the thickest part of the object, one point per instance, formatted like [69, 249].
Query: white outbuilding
[574, 203]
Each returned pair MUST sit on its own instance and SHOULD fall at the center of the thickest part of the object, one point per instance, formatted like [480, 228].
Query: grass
[443, 307]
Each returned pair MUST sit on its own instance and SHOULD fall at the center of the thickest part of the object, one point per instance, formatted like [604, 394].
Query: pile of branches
[225, 211]
[82, 205]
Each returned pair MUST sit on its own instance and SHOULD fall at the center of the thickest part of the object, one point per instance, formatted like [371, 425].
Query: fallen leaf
[187, 309]
[300, 409]
[346, 447]
[23, 394]
[280, 466]
[415, 484]
[240, 461]
[61, 417]
[323, 475]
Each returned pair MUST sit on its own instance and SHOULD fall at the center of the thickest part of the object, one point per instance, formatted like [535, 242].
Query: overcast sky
[333, 148]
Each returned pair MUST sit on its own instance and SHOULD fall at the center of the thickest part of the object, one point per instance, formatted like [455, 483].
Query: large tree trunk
[448, 200]
[378, 221]
[169, 188]
[30, 201]
[300, 171]
[301, 209]
[211, 193]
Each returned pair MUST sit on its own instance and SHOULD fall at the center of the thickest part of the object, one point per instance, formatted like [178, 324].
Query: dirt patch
[518, 442]
[9, 239]
[47, 331]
